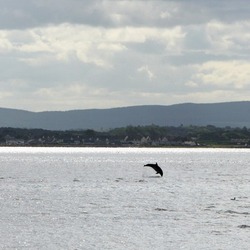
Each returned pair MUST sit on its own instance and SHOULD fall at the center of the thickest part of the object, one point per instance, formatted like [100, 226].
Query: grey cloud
[145, 59]
[23, 14]
[15, 14]
[148, 47]
[195, 57]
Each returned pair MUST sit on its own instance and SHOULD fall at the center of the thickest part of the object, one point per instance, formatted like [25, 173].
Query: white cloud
[229, 38]
[5, 44]
[229, 74]
[145, 69]
[89, 44]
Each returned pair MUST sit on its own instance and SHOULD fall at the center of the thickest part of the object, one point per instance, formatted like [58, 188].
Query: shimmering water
[103, 198]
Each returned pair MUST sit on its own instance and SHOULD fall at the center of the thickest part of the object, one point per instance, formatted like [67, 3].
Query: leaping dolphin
[155, 167]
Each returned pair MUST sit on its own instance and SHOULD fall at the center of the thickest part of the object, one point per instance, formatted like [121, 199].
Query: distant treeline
[147, 135]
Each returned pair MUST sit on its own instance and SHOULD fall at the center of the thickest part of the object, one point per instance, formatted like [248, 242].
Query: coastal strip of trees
[152, 135]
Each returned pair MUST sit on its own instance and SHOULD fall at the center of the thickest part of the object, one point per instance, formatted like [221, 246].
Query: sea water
[103, 198]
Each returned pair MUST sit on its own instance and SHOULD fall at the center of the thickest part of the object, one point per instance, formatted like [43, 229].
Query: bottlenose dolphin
[155, 167]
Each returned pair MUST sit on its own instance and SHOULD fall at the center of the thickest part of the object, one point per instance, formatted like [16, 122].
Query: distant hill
[234, 114]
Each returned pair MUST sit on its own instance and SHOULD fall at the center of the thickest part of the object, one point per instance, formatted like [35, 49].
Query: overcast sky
[81, 54]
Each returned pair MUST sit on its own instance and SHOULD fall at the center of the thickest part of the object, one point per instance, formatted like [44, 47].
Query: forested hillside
[129, 136]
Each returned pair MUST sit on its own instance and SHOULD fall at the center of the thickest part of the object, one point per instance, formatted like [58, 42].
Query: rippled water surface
[103, 198]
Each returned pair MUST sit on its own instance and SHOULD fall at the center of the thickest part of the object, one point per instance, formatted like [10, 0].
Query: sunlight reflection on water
[103, 198]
